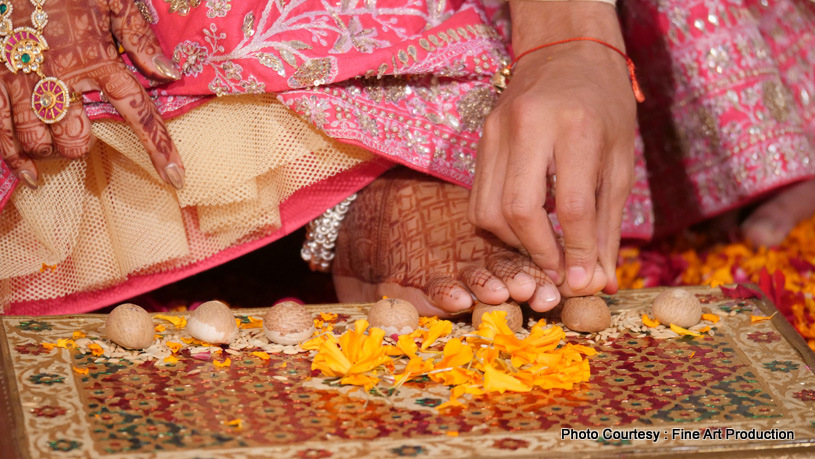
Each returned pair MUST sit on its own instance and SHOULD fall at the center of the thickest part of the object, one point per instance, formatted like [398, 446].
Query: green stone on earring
[26, 58]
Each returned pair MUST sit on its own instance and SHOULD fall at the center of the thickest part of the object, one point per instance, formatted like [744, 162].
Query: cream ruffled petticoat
[103, 229]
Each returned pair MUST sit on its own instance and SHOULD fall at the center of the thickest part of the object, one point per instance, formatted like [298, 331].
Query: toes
[770, 223]
[545, 294]
[417, 297]
[521, 285]
[448, 294]
[545, 298]
[486, 287]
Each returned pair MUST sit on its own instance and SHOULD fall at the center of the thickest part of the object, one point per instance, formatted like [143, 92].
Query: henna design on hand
[83, 54]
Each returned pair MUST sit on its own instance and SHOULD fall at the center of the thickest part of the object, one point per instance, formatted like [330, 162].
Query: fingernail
[554, 275]
[549, 293]
[496, 285]
[175, 175]
[167, 67]
[523, 279]
[577, 277]
[29, 179]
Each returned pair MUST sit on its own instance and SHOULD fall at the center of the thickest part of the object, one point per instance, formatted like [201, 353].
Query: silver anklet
[321, 236]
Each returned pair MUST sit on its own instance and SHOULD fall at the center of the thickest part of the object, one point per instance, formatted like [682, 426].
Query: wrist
[535, 22]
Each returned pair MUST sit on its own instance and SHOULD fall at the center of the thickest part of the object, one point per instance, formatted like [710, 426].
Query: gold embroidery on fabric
[248, 27]
[314, 72]
[709, 126]
[775, 100]
[182, 7]
[412, 52]
[474, 107]
[147, 11]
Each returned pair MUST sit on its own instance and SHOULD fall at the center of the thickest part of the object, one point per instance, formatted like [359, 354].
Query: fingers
[72, 135]
[131, 101]
[21, 165]
[524, 194]
[484, 210]
[32, 134]
[578, 161]
[140, 43]
[612, 196]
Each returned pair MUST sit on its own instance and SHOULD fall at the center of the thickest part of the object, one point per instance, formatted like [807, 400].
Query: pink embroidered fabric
[728, 85]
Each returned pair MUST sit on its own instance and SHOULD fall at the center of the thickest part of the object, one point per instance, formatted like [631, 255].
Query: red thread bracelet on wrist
[500, 79]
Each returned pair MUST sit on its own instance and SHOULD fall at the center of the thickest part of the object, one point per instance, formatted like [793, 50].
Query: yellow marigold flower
[497, 381]
[405, 345]
[755, 319]
[328, 316]
[253, 323]
[160, 328]
[648, 322]
[683, 331]
[237, 423]
[81, 371]
[66, 343]
[49, 346]
[449, 404]
[416, 366]
[171, 359]
[710, 317]
[438, 329]
[178, 321]
[720, 276]
[456, 354]
[454, 376]
[175, 347]
[96, 349]
[79, 334]
[353, 355]
[494, 323]
[261, 355]
[223, 364]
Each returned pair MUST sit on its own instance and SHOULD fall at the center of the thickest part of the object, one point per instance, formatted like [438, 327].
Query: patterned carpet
[62, 398]
[785, 273]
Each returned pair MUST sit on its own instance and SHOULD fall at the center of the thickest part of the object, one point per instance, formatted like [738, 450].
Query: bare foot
[407, 236]
[770, 223]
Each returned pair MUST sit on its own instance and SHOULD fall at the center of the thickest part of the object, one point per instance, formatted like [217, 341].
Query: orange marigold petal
[755, 319]
[223, 364]
[648, 322]
[710, 317]
[82, 371]
[96, 349]
[684, 331]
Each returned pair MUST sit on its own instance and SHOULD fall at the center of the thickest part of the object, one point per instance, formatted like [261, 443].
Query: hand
[567, 110]
[83, 55]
